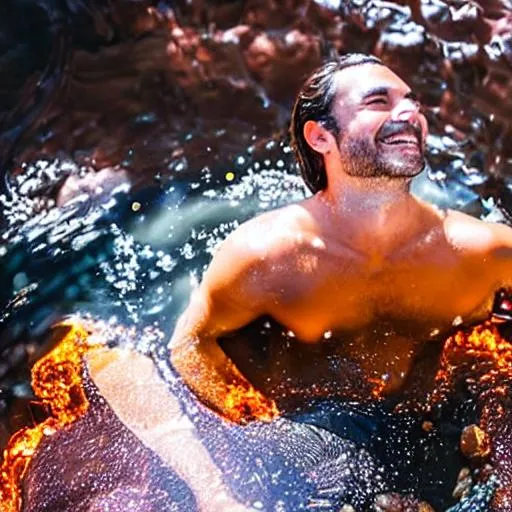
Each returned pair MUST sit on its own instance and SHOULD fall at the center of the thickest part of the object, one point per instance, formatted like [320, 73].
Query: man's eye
[377, 101]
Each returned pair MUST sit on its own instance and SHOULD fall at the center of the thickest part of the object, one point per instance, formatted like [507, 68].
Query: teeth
[397, 139]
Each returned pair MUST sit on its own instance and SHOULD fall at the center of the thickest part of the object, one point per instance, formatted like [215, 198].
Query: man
[362, 263]
[362, 267]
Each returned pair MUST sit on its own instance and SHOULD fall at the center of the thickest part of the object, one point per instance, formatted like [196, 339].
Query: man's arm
[232, 294]
[488, 248]
[500, 254]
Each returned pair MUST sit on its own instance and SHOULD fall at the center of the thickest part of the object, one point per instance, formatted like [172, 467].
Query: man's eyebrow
[375, 91]
[383, 91]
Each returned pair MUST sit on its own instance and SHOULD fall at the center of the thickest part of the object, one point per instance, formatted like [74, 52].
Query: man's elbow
[186, 352]
[180, 348]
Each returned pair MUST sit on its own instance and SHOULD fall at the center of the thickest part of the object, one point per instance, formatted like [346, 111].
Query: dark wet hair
[314, 102]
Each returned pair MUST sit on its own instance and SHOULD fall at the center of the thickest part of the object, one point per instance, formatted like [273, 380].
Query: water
[198, 161]
[129, 261]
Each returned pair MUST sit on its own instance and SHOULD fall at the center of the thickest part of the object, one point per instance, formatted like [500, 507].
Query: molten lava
[378, 387]
[57, 381]
[481, 359]
[244, 402]
[479, 362]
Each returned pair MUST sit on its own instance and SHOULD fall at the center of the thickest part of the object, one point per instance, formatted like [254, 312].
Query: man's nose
[405, 110]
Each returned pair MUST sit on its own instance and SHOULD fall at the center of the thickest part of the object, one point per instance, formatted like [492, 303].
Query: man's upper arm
[487, 245]
[234, 290]
[501, 250]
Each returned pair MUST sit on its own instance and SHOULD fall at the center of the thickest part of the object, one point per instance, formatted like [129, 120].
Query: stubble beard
[361, 158]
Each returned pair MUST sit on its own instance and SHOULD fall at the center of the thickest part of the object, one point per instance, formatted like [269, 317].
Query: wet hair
[314, 102]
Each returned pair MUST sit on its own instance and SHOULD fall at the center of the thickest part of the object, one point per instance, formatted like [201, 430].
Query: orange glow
[379, 385]
[486, 339]
[57, 381]
[246, 403]
[483, 358]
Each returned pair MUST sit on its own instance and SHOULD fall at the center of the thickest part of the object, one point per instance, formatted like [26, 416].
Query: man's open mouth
[401, 138]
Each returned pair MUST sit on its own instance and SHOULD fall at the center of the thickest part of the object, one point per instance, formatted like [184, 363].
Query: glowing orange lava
[57, 381]
[378, 386]
[481, 359]
[244, 402]
[484, 360]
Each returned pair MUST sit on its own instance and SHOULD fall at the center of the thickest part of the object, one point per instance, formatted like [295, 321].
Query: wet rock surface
[154, 85]
[397, 503]
[475, 373]
[474, 442]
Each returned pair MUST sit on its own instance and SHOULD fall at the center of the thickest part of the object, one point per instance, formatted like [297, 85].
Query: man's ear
[318, 137]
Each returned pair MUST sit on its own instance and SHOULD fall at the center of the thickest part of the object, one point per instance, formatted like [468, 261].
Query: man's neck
[373, 213]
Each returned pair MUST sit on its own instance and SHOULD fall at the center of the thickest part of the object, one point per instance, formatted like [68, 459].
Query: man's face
[382, 131]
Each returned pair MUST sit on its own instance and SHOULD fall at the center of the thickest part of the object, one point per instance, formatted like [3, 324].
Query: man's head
[358, 111]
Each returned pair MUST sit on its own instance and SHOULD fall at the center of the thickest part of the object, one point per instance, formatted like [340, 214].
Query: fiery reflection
[478, 362]
[378, 386]
[57, 381]
[244, 402]
[483, 360]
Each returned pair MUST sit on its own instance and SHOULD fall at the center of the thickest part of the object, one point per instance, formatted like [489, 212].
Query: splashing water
[136, 267]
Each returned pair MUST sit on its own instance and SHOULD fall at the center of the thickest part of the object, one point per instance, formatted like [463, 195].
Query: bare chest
[418, 293]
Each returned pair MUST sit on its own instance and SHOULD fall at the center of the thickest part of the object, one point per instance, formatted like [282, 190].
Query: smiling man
[362, 276]
[361, 272]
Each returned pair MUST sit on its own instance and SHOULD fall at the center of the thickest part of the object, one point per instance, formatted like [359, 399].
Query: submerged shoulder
[472, 234]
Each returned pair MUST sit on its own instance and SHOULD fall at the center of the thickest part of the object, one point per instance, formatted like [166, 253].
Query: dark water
[187, 103]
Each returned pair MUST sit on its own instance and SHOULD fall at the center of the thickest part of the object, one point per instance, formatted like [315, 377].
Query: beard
[362, 158]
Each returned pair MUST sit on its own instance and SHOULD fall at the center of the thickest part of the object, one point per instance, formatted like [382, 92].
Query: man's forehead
[354, 82]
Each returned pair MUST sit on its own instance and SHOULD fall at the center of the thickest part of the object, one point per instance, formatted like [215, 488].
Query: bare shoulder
[254, 245]
[468, 233]
[273, 232]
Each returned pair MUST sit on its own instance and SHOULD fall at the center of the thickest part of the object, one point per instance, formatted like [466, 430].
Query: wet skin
[363, 262]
